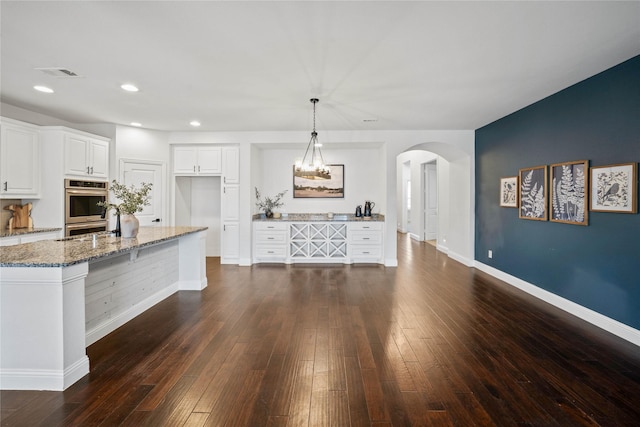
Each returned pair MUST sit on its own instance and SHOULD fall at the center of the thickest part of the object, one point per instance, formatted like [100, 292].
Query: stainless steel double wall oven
[82, 214]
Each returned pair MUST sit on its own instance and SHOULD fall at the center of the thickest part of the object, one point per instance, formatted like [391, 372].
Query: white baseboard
[461, 259]
[41, 379]
[415, 236]
[608, 324]
[114, 323]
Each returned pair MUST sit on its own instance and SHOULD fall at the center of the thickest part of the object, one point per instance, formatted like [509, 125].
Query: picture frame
[532, 198]
[569, 191]
[319, 187]
[614, 188]
[509, 192]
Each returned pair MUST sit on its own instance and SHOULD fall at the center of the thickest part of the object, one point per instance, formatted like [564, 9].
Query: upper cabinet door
[231, 165]
[185, 160]
[20, 168]
[209, 160]
[99, 159]
[75, 155]
[197, 160]
[86, 157]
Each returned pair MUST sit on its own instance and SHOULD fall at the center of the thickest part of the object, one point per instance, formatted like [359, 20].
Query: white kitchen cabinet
[197, 160]
[231, 165]
[270, 241]
[231, 203]
[85, 156]
[230, 243]
[295, 241]
[318, 241]
[20, 160]
[365, 241]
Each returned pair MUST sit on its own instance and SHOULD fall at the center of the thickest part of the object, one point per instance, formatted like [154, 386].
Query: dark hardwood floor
[428, 343]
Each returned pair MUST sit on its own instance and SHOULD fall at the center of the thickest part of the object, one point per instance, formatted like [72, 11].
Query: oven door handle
[88, 192]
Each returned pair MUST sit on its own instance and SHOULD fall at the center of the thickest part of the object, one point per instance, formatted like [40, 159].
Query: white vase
[129, 226]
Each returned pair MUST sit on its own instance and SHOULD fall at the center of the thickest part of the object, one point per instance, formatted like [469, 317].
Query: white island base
[50, 314]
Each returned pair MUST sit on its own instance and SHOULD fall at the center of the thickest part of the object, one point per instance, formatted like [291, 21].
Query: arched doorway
[454, 175]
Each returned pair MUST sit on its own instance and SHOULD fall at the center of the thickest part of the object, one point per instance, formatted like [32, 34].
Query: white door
[137, 172]
[430, 209]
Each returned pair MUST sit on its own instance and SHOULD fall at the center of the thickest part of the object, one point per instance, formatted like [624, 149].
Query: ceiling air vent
[58, 72]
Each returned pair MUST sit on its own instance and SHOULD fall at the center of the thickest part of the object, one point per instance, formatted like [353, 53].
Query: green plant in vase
[268, 204]
[131, 200]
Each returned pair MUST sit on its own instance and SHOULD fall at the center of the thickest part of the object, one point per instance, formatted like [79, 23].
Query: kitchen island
[59, 296]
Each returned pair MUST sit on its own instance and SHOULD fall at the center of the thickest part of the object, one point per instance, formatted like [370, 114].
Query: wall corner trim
[625, 332]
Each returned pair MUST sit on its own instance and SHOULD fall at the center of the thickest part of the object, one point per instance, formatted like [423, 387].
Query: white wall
[362, 180]
[197, 203]
[137, 144]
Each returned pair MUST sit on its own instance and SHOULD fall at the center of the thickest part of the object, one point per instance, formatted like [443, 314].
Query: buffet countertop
[74, 250]
[310, 217]
[12, 232]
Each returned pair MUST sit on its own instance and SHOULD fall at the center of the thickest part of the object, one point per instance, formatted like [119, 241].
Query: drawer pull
[365, 238]
[269, 252]
[269, 238]
[366, 252]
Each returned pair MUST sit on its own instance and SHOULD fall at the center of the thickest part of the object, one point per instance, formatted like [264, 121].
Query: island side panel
[122, 286]
[42, 327]
[193, 267]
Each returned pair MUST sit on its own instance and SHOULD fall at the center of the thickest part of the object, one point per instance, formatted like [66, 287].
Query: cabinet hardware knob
[198, 168]
[6, 183]
[91, 170]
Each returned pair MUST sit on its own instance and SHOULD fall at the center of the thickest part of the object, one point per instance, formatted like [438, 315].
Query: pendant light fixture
[312, 165]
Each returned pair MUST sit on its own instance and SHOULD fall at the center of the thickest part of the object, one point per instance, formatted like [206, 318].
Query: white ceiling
[238, 65]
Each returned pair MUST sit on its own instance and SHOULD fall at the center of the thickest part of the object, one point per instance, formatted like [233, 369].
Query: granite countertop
[12, 232]
[307, 217]
[77, 249]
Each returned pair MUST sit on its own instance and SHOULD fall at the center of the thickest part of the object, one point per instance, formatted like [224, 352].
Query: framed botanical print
[614, 188]
[569, 189]
[509, 192]
[319, 184]
[533, 193]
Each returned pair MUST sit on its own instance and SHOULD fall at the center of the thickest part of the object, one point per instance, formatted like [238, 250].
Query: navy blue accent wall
[596, 266]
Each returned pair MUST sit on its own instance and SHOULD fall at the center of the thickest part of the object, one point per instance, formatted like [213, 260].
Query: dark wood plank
[430, 342]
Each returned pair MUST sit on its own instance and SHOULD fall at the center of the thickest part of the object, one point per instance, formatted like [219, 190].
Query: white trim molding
[603, 322]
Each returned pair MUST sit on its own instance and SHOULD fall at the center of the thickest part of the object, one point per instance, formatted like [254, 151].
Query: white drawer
[276, 236]
[363, 251]
[370, 237]
[376, 225]
[264, 252]
[264, 225]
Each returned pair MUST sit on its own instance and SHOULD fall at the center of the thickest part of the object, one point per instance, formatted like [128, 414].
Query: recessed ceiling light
[136, 124]
[194, 123]
[43, 89]
[129, 87]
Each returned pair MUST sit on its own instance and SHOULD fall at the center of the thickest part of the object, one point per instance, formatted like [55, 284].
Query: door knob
[156, 220]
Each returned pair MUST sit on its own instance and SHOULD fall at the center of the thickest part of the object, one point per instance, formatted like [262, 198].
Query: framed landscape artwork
[613, 188]
[569, 189]
[533, 193]
[509, 192]
[321, 186]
